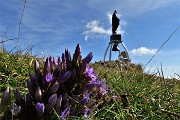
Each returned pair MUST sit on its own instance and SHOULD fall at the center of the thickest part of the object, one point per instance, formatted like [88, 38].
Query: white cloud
[94, 29]
[143, 51]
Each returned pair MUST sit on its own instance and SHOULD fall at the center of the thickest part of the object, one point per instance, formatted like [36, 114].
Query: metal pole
[110, 53]
[106, 52]
[119, 56]
[126, 51]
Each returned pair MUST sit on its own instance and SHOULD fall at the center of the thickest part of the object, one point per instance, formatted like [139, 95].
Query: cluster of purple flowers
[67, 86]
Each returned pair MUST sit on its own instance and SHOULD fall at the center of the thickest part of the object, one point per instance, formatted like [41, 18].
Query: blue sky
[53, 25]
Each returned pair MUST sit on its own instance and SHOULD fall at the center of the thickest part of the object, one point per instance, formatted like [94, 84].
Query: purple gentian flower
[103, 91]
[49, 77]
[90, 74]
[16, 109]
[93, 84]
[65, 113]
[40, 109]
[86, 98]
[86, 112]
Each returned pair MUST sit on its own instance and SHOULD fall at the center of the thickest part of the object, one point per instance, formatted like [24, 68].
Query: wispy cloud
[131, 8]
[143, 51]
[94, 29]
[136, 8]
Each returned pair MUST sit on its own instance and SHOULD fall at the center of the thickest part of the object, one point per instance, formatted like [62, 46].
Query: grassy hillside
[149, 97]
[134, 95]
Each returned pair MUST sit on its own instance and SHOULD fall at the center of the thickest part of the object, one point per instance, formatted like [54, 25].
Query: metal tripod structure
[116, 39]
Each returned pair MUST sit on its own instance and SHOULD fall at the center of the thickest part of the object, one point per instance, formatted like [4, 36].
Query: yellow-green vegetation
[14, 70]
[134, 95]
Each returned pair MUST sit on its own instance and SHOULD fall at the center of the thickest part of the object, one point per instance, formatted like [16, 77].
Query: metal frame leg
[110, 53]
[126, 51]
[106, 52]
[119, 56]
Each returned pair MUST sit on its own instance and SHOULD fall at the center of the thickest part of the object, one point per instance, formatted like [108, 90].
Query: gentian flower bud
[65, 113]
[52, 100]
[18, 97]
[63, 62]
[4, 100]
[47, 68]
[36, 68]
[63, 58]
[28, 98]
[58, 103]
[51, 63]
[55, 63]
[38, 94]
[30, 87]
[67, 75]
[68, 56]
[78, 50]
[77, 56]
[59, 60]
[54, 88]
[68, 59]
[40, 109]
[88, 58]
[86, 61]
[33, 78]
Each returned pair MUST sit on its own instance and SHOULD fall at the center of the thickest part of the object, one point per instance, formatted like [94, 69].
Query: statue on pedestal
[115, 22]
[115, 40]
